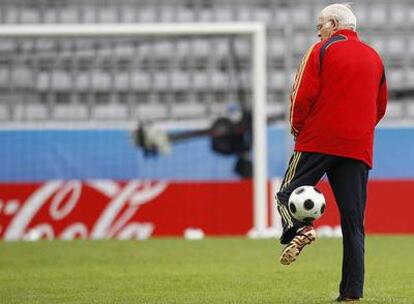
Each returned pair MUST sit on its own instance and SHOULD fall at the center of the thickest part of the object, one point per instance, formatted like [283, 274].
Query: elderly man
[338, 98]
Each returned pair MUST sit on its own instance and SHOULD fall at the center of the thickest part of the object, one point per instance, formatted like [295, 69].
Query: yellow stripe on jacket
[296, 84]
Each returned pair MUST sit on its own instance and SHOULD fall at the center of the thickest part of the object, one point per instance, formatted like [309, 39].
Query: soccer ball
[306, 204]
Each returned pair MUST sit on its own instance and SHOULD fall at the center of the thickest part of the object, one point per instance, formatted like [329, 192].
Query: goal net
[135, 101]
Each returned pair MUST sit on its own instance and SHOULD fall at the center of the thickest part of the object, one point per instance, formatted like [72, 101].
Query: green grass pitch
[214, 270]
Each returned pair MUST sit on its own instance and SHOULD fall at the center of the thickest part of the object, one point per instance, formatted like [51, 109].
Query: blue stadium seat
[160, 81]
[410, 108]
[277, 80]
[163, 48]
[362, 14]
[243, 47]
[188, 110]
[378, 43]
[140, 81]
[395, 78]
[4, 111]
[180, 80]
[395, 110]
[108, 14]
[122, 81]
[301, 43]
[275, 107]
[21, 77]
[219, 81]
[185, 15]
[11, 15]
[127, 51]
[199, 47]
[410, 77]
[4, 77]
[82, 81]
[397, 45]
[128, 14]
[223, 14]
[280, 17]
[399, 14]
[200, 81]
[244, 13]
[221, 47]
[206, 15]
[51, 15]
[150, 111]
[8, 45]
[378, 15]
[276, 47]
[263, 14]
[71, 111]
[165, 13]
[301, 15]
[145, 49]
[33, 111]
[111, 111]
[28, 15]
[61, 81]
[89, 14]
[43, 81]
[147, 14]
[101, 81]
[70, 15]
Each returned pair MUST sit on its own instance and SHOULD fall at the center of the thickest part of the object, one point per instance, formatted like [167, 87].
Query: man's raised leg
[305, 168]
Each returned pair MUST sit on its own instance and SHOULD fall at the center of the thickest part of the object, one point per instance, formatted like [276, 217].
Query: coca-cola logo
[73, 209]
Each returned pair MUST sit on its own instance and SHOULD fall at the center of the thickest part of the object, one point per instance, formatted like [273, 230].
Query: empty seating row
[397, 48]
[167, 80]
[113, 111]
[274, 14]
[120, 111]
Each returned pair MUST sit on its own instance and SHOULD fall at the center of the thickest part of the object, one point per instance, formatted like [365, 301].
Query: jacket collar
[350, 34]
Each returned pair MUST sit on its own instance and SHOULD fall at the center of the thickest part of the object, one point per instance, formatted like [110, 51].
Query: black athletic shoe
[346, 299]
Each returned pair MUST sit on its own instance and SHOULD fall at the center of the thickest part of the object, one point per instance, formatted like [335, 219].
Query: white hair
[342, 13]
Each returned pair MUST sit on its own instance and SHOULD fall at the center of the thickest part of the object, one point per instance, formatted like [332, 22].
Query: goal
[255, 32]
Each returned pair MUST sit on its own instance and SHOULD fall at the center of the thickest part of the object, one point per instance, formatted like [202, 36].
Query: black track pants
[348, 179]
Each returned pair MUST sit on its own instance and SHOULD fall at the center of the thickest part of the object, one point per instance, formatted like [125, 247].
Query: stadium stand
[79, 78]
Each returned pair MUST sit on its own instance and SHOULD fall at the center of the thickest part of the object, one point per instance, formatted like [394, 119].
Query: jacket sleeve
[305, 89]
[382, 98]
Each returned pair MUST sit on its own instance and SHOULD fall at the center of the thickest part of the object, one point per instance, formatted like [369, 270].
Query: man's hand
[294, 133]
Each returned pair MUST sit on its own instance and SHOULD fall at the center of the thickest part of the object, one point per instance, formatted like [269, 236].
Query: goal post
[257, 32]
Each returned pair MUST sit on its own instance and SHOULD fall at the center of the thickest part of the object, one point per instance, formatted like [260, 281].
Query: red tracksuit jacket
[339, 95]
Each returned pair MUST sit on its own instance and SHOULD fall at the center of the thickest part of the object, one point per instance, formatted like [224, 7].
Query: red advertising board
[140, 209]
[126, 210]
[389, 208]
